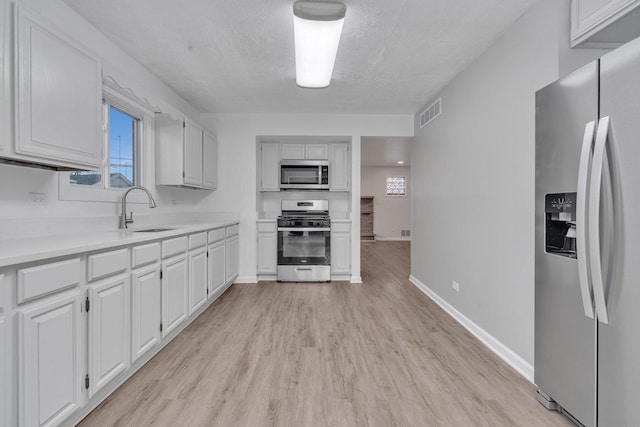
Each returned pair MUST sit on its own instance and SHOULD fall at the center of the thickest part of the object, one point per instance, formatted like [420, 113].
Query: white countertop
[18, 251]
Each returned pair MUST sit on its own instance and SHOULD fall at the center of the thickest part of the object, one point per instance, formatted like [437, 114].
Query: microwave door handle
[594, 219]
[581, 217]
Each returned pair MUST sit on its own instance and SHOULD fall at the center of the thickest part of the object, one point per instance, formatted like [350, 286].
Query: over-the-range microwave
[304, 175]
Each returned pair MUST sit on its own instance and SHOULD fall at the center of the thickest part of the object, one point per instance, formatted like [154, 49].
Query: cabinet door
[58, 96]
[146, 297]
[340, 253]
[5, 65]
[232, 252]
[109, 332]
[192, 153]
[292, 151]
[267, 253]
[339, 167]
[50, 361]
[174, 293]
[217, 278]
[197, 279]
[316, 151]
[210, 161]
[3, 376]
[270, 170]
[4, 345]
[589, 17]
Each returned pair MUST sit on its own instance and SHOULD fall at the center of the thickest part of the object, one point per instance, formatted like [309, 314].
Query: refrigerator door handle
[581, 218]
[594, 219]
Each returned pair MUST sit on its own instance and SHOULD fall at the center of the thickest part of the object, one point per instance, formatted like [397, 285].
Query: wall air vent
[430, 113]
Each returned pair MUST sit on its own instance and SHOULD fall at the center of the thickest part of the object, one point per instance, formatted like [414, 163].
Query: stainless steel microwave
[304, 175]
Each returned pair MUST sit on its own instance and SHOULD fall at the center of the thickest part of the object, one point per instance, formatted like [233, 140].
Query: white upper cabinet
[604, 23]
[316, 151]
[192, 153]
[186, 156]
[292, 151]
[339, 167]
[210, 159]
[58, 97]
[5, 63]
[305, 151]
[270, 170]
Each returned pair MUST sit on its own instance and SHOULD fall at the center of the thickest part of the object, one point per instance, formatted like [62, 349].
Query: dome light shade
[317, 27]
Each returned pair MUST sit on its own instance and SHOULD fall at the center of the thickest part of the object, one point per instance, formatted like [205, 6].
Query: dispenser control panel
[560, 224]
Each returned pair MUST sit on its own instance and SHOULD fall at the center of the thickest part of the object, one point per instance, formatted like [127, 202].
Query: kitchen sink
[152, 230]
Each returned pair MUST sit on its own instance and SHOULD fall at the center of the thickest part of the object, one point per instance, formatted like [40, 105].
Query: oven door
[304, 246]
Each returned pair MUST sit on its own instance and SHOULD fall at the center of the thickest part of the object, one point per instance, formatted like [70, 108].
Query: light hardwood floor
[376, 354]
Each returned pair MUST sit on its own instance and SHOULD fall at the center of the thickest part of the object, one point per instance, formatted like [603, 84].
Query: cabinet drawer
[215, 235]
[106, 264]
[340, 227]
[197, 240]
[266, 227]
[174, 246]
[232, 230]
[145, 254]
[40, 280]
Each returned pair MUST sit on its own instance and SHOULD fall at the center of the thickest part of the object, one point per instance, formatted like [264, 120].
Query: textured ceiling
[237, 56]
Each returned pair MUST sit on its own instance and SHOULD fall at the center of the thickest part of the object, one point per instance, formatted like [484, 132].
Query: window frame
[68, 191]
[406, 187]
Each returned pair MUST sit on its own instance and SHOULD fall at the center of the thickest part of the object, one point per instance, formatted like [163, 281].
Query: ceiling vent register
[430, 113]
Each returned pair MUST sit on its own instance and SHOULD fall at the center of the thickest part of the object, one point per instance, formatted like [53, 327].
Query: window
[122, 141]
[397, 186]
[128, 124]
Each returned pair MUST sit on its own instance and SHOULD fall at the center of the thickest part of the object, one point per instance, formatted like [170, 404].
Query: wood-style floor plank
[305, 354]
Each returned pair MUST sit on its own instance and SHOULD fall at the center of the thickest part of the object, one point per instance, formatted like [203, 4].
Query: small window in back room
[121, 147]
[397, 186]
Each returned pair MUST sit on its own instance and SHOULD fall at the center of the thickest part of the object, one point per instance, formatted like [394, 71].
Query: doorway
[385, 191]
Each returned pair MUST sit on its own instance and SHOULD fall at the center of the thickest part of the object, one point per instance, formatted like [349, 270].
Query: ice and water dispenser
[560, 227]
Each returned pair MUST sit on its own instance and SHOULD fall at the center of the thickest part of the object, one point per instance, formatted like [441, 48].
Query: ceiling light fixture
[317, 27]
[400, 162]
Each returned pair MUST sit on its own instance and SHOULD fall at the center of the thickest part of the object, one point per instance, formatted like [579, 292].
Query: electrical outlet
[37, 199]
[455, 285]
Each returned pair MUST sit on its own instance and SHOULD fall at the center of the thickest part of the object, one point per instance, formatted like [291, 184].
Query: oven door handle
[303, 229]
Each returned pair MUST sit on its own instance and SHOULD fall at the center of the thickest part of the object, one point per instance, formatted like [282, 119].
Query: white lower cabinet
[4, 345]
[145, 312]
[340, 248]
[217, 278]
[109, 331]
[50, 361]
[84, 323]
[174, 293]
[267, 247]
[197, 279]
[232, 252]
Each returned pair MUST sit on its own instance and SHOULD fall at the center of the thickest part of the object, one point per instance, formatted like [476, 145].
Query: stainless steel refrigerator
[587, 254]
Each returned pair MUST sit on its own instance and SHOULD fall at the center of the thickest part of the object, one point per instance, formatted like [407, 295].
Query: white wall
[237, 174]
[473, 212]
[391, 214]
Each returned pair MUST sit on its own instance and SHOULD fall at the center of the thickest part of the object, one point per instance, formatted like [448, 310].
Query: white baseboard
[504, 352]
[246, 279]
[356, 279]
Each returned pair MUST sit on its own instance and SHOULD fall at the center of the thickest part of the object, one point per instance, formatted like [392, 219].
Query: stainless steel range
[304, 241]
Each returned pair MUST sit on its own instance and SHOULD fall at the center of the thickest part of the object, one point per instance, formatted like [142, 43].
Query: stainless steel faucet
[124, 220]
